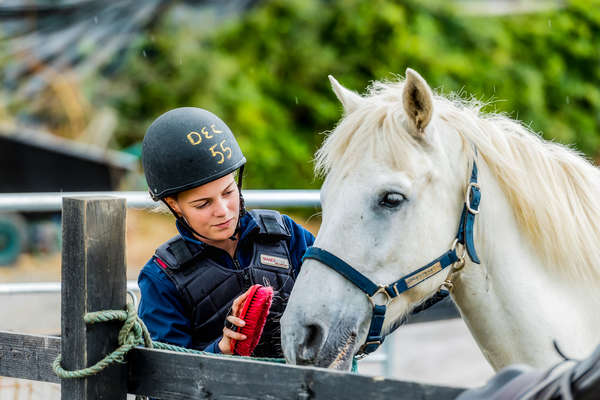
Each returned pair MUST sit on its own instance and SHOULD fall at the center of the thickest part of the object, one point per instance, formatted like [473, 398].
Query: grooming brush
[254, 313]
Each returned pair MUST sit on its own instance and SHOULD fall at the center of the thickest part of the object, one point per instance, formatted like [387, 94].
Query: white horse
[397, 168]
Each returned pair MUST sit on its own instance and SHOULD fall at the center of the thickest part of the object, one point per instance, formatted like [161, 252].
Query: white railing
[28, 202]
[43, 287]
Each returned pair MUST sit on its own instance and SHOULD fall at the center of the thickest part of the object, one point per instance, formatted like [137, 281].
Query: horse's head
[395, 181]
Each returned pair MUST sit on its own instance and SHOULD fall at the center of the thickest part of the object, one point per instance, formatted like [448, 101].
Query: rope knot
[132, 333]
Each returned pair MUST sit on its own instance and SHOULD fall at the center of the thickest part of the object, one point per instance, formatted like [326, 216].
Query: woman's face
[212, 209]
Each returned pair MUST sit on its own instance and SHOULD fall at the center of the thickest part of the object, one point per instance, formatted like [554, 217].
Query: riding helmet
[185, 148]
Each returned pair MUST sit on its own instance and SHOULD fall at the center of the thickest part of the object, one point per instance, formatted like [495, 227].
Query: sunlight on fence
[21, 389]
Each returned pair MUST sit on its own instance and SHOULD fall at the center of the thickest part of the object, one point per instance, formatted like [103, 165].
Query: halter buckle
[362, 353]
[468, 197]
[381, 289]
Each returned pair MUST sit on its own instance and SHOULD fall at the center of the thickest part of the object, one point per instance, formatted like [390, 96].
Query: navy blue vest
[208, 289]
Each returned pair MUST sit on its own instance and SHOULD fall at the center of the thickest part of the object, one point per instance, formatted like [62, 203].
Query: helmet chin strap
[242, 203]
[183, 221]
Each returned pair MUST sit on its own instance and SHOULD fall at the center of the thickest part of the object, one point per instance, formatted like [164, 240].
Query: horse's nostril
[310, 345]
[314, 335]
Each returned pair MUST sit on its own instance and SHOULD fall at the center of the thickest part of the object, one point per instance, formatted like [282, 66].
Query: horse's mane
[553, 190]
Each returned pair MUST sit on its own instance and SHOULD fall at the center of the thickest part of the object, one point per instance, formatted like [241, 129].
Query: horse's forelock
[375, 129]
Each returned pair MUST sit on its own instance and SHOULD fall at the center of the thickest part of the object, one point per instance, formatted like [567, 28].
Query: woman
[199, 279]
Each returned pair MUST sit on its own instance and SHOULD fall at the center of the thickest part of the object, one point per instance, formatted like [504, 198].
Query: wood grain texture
[28, 356]
[168, 375]
[93, 279]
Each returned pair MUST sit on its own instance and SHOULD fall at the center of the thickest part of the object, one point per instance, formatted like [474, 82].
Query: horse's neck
[511, 304]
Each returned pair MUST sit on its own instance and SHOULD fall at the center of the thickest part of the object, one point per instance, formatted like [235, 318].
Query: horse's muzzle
[311, 343]
[321, 322]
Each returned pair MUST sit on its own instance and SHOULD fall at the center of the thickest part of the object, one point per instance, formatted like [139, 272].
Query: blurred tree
[264, 70]
[265, 73]
[49, 47]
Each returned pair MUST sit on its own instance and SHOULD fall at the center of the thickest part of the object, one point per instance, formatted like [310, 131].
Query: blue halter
[463, 237]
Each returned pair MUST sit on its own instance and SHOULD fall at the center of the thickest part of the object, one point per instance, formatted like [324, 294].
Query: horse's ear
[417, 100]
[349, 99]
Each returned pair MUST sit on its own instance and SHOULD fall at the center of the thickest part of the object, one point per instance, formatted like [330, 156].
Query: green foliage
[266, 73]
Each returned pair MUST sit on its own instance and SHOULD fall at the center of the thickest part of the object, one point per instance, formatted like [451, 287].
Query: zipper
[244, 272]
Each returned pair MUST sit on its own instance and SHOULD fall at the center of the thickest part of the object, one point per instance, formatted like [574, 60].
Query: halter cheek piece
[464, 237]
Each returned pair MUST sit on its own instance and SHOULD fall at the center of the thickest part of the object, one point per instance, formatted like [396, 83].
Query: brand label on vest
[421, 276]
[274, 261]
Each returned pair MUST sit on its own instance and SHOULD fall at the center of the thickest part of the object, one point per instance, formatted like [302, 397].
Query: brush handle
[230, 325]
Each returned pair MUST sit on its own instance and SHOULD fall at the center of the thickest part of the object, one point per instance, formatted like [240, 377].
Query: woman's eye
[391, 200]
[199, 206]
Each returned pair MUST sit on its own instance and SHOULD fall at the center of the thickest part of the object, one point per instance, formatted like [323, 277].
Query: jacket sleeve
[214, 346]
[160, 308]
[162, 312]
[301, 239]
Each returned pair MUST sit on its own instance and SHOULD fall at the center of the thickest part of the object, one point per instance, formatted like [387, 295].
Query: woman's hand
[228, 334]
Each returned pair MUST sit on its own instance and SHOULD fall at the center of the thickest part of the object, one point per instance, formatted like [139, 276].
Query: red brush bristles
[254, 312]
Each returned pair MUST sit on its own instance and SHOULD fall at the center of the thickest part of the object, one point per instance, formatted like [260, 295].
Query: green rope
[166, 346]
[134, 333]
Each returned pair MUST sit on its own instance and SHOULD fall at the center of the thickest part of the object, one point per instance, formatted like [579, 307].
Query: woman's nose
[220, 207]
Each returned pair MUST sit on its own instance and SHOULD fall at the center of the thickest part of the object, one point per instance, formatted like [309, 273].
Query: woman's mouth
[224, 224]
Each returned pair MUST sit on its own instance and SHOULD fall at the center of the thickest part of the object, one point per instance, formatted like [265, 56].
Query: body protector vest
[207, 289]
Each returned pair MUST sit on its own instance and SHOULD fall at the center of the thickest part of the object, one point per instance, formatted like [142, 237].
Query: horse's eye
[391, 200]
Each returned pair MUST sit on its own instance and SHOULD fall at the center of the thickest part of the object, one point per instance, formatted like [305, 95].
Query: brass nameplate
[421, 276]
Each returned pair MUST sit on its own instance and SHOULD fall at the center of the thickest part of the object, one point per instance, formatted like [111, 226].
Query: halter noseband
[463, 237]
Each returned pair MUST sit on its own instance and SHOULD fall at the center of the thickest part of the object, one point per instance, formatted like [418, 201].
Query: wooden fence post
[93, 279]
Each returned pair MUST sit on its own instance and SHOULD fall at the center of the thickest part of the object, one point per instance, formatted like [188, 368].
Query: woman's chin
[222, 234]
[220, 237]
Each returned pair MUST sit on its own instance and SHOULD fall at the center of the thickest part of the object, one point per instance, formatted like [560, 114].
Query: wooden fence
[94, 279]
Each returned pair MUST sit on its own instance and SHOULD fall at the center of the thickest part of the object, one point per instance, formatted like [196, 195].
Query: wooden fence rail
[93, 274]
[168, 375]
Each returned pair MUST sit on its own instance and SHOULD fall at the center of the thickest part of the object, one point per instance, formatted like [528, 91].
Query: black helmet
[185, 148]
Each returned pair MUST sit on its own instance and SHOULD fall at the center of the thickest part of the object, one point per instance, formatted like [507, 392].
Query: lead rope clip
[447, 285]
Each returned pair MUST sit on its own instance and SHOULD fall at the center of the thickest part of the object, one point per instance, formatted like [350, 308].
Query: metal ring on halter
[381, 289]
[468, 197]
[458, 265]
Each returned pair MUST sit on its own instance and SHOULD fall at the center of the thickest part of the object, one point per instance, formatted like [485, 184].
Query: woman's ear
[172, 202]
